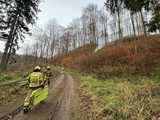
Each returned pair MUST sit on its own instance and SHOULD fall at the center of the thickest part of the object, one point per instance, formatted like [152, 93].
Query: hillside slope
[125, 57]
[73, 58]
[122, 81]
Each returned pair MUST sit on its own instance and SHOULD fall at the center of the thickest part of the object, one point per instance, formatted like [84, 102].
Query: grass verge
[121, 99]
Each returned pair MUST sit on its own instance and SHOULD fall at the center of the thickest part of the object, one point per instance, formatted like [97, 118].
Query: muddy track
[58, 106]
[12, 114]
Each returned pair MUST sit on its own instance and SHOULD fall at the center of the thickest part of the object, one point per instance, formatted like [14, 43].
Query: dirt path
[70, 105]
[59, 105]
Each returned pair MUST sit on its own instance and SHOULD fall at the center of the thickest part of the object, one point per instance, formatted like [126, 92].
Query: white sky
[1, 46]
[62, 10]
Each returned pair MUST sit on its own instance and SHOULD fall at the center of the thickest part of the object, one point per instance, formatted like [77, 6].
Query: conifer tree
[17, 16]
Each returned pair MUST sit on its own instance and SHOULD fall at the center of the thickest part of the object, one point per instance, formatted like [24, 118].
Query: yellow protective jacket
[35, 79]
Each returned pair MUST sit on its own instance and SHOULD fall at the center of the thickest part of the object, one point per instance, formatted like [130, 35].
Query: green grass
[9, 77]
[123, 99]
[10, 89]
[5, 77]
[156, 74]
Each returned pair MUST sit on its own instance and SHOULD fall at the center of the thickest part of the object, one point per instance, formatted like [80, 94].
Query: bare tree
[90, 13]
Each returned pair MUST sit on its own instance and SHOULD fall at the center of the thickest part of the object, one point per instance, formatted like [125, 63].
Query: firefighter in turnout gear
[35, 81]
[48, 74]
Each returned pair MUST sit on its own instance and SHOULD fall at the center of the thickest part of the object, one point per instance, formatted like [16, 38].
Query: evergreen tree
[19, 15]
[133, 6]
[154, 24]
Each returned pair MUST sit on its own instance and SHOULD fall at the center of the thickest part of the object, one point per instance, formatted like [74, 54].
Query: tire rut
[65, 108]
[42, 111]
[57, 107]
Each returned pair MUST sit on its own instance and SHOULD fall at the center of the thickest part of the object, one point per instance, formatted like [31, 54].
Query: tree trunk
[119, 25]
[8, 46]
[137, 24]
[94, 33]
[52, 48]
[143, 23]
[74, 41]
[132, 20]
[106, 35]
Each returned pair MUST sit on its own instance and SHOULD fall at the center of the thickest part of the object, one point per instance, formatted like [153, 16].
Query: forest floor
[77, 96]
[62, 103]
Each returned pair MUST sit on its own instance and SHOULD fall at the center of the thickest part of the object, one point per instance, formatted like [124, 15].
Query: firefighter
[35, 81]
[48, 74]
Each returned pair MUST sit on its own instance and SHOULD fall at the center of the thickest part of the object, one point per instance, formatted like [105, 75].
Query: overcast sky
[63, 10]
